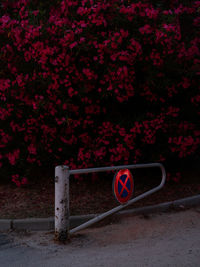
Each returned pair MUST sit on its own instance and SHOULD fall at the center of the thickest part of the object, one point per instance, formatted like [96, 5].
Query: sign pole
[62, 203]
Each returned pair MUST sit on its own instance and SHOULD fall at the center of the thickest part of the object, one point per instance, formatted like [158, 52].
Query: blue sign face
[123, 186]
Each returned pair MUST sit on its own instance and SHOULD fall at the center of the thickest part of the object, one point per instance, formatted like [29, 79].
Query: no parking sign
[123, 186]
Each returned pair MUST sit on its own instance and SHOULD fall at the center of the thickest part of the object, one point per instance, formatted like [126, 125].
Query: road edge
[47, 224]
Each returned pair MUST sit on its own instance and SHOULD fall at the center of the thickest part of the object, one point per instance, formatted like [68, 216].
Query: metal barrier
[62, 174]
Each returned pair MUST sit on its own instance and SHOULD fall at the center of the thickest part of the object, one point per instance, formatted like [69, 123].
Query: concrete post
[62, 203]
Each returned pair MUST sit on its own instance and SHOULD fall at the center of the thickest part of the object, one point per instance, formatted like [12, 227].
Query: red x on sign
[123, 185]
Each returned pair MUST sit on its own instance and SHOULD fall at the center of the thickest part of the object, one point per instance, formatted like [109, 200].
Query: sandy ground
[167, 239]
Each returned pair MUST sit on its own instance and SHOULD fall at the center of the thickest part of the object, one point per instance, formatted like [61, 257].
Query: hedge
[94, 83]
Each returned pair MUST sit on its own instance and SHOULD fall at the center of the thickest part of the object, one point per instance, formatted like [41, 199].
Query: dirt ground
[89, 196]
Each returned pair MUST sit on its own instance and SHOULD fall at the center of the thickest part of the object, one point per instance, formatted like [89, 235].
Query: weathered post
[62, 203]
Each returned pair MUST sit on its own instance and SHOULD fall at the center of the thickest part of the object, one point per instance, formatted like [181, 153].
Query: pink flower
[15, 179]
[32, 149]
[73, 45]
[145, 29]
[13, 157]
[185, 82]
[4, 20]
[24, 181]
[35, 12]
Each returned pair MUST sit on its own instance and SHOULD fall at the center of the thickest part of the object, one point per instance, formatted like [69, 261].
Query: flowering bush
[88, 83]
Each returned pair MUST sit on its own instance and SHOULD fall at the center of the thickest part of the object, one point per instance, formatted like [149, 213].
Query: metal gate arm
[118, 208]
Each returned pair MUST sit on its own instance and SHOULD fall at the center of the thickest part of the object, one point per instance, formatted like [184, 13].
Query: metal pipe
[116, 209]
[114, 168]
[62, 203]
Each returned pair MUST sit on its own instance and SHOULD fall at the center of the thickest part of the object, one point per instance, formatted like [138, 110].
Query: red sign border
[116, 178]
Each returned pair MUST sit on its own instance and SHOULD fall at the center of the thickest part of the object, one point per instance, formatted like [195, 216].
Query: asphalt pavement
[159, 239]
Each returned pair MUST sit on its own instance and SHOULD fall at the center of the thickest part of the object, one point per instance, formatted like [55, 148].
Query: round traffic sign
[123, 186]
